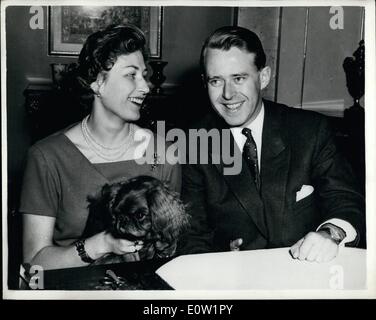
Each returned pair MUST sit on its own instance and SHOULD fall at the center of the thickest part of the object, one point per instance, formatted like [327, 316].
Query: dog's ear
[168, 212]
[104, 199]
[100, 209]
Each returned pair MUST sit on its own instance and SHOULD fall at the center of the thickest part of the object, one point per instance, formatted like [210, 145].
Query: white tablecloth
[264, 269]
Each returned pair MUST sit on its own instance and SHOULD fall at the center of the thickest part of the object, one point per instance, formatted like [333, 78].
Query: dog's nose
[161, 245]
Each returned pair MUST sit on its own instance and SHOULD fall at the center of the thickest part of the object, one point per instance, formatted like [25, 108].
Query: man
[294, 189]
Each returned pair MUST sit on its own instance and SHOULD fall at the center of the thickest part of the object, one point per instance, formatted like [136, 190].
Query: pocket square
[304, 192]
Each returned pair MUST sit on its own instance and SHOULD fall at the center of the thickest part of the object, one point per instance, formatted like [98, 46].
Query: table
[264, 270]
[243, 270]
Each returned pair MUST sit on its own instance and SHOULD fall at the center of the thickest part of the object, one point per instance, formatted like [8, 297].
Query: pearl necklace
[106, 152]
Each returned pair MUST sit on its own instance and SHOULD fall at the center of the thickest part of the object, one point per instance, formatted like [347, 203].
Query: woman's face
[123, 88]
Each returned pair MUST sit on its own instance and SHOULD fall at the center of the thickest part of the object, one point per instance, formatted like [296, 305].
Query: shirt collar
[256, 125]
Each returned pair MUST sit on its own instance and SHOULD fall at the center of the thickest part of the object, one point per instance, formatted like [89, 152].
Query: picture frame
[69, 26]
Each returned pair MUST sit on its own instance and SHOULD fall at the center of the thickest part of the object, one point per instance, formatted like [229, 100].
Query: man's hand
[315, 246]
[235, 244]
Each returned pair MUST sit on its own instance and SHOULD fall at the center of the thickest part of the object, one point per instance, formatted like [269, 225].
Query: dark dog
[139, 209]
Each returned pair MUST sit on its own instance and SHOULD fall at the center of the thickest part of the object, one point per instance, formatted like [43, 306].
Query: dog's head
[142, 208]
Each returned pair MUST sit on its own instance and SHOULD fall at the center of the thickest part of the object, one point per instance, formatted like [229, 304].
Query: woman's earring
[95, 87]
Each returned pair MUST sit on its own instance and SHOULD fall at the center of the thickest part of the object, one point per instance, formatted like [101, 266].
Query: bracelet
[80, 247]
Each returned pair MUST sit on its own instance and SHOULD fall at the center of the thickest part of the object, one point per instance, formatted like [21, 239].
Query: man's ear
[265, 75]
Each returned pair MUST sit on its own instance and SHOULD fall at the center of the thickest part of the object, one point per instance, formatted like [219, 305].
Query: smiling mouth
[233, 107]
[136, 100]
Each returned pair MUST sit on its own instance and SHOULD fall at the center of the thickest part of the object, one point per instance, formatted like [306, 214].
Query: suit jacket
[298, 148]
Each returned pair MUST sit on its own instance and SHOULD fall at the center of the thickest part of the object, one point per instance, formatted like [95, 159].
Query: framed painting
[69, 26]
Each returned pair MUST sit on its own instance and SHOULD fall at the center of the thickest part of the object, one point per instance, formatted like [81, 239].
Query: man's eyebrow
[240, 74]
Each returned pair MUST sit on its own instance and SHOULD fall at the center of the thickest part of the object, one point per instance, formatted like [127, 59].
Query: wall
[324, 77]
[184, 30]
[26, 57]
[265, 23]
[324, 85]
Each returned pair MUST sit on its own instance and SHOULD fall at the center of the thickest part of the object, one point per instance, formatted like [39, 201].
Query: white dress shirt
[256, 127]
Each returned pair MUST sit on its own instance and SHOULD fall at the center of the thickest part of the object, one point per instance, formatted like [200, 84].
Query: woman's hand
[122, 246]
[39, 249]
[103, 243]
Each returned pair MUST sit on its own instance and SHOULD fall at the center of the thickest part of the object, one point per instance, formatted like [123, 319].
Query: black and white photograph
[187, 150]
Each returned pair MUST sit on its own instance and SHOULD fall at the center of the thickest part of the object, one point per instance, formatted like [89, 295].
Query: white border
[370, 78]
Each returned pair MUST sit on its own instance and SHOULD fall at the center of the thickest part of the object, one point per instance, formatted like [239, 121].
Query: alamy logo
[197, 146]
[37, 20]
[336, 280]
[337, 20]
[36, 277]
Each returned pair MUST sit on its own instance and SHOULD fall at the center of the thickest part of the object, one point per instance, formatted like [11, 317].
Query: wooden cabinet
[50, 109]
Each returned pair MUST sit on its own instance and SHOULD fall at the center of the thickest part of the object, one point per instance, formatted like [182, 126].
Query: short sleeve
[39, 193]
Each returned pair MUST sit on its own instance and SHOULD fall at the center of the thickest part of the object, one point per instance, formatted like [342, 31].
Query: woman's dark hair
[227, 37]
[102, 48]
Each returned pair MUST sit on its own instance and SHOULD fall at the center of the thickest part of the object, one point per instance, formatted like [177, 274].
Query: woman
[67, 167]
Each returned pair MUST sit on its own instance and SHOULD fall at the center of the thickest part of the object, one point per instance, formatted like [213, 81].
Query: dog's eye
[140, 215]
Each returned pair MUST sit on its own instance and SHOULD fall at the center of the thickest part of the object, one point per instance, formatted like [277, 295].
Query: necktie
[250, 155]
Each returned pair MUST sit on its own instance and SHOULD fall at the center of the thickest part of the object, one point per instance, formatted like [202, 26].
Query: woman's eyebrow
[135, 67]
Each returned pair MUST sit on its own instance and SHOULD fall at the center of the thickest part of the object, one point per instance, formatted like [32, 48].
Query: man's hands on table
[235, 244]
[315, 247]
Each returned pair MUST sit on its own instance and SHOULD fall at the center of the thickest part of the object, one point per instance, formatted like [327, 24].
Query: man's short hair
[227, 37]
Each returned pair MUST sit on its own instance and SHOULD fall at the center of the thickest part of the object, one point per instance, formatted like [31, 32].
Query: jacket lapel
[275, 162]
[243, 187]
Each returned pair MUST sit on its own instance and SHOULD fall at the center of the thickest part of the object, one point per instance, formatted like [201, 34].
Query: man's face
[235, 84]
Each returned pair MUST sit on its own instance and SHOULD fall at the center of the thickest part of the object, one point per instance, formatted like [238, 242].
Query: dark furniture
[50, 109]
[134, 276]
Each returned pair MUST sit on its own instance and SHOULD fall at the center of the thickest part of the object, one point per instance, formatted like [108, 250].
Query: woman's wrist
[97, 245]
[80, 248]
